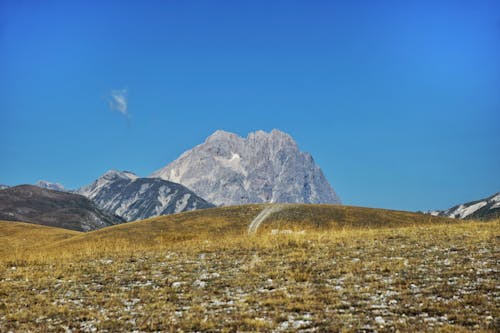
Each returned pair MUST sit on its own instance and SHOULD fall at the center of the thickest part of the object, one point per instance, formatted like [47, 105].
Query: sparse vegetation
[201, 271]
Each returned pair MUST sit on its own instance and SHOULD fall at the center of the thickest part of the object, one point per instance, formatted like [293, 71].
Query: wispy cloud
[118, 101]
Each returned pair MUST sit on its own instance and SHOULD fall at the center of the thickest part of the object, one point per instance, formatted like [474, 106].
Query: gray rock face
[484, 209]
[133, 198]
[264, 167]
[51, 186]
[28, 203]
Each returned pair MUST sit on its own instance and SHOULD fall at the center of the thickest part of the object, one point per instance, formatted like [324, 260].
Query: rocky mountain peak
[115, 174]
[221, 135]
[275, 137]
[263, 167]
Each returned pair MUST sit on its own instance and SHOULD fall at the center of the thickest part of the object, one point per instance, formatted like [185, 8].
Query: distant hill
[29, 203]
[483, 209]
[134, 198]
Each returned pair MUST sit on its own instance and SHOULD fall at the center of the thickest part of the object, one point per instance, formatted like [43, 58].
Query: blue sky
[397, 101]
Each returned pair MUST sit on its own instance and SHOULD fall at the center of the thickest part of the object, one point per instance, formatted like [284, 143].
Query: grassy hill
[330, 269]
[18, 236]
[224, 221]
[234, 221]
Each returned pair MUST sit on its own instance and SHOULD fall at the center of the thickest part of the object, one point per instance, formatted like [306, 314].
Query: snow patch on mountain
[496, 201]
[463, 211]
[181, 204]
[233, 163]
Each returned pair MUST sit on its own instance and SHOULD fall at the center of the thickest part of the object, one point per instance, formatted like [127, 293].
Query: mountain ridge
[134, 198]
[482, 209]
[33, 204]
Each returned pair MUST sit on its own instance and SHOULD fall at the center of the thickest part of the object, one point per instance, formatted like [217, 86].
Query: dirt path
[263, 215]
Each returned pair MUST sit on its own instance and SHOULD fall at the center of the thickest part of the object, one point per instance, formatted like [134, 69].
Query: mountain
[33, 204]
[50, 186]
[3, 187]
[133, 198]
[263, 167]
[484, 209]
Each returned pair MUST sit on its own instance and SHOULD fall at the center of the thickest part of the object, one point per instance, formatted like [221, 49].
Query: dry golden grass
[18, 237]
[201, 271]
[233, 222]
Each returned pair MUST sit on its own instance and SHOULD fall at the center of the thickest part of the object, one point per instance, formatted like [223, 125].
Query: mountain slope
[133, 198]
[484, 209]
[28, 203]
[264, 167]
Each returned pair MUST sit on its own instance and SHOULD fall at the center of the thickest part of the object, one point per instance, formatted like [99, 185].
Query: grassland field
[308, 268]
